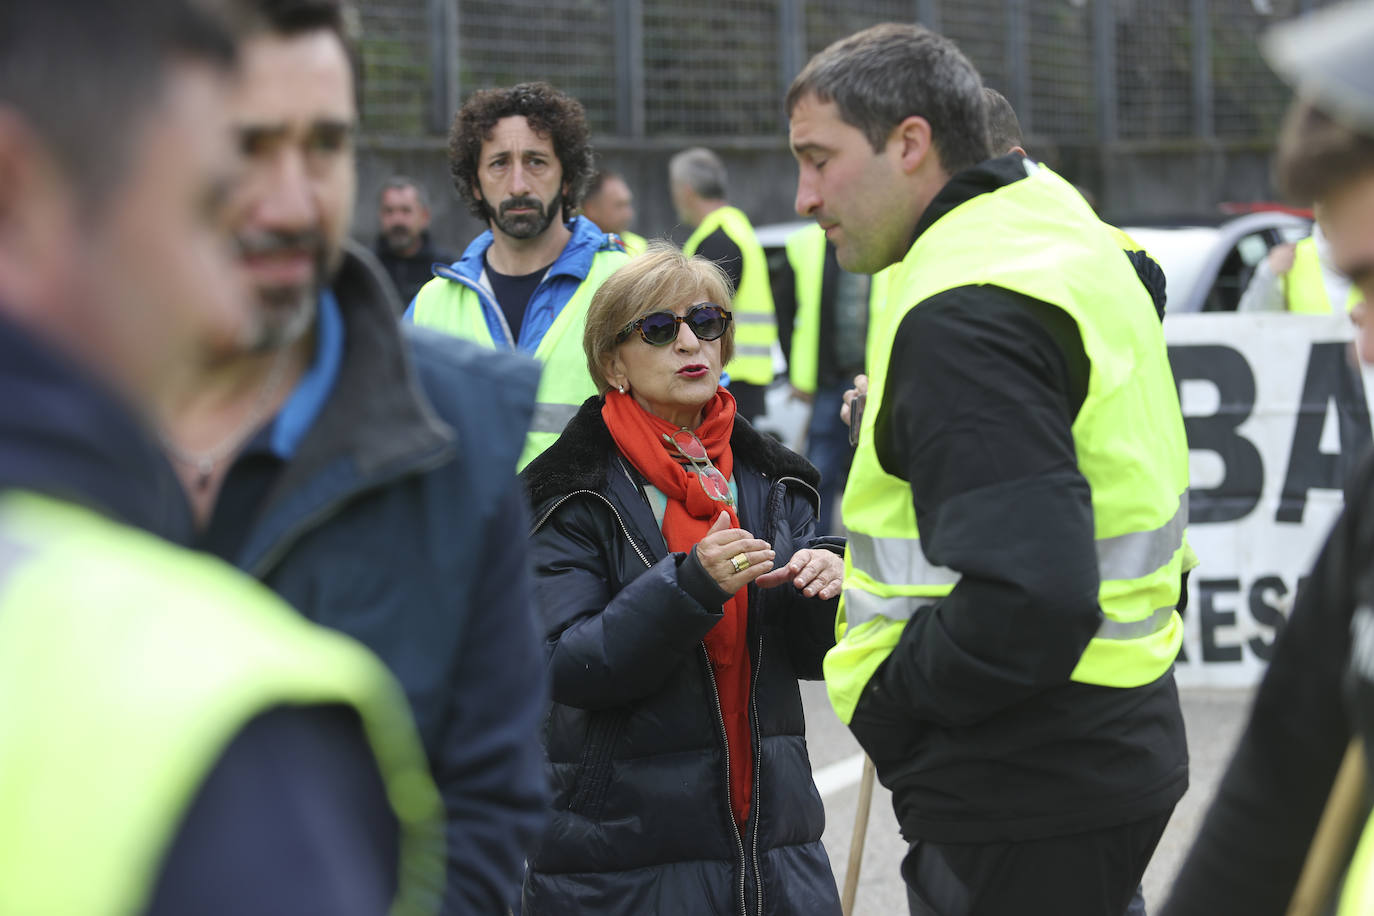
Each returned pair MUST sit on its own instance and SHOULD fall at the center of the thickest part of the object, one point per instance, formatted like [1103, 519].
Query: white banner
[1277, 417]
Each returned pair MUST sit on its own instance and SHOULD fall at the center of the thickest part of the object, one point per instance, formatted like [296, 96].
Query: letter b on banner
[1238, 493]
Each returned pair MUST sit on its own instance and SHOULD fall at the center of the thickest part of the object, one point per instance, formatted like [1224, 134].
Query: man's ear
[911, 142]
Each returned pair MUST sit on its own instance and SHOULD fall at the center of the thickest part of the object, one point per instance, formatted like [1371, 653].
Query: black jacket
[408, 274]
[635, 740]
[1317, 695]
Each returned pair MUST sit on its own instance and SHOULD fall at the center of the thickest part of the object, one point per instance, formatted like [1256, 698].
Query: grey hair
[699, 169]
[400, 183]
[883, 75]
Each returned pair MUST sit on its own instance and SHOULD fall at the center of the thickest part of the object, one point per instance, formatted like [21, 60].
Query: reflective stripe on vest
[901, 563]
[1304, 286]
[756, 328]
[456, 307]
[1128, 436]
[138, 663]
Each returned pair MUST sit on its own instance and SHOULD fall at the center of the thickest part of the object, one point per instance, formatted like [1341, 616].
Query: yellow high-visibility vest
[127, 665]
[756, 325]
[456, 308]
[1045, 243]
[806, 255]
[1304, 288]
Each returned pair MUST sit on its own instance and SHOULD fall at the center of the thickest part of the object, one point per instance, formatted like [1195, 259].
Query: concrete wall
[1189, 179]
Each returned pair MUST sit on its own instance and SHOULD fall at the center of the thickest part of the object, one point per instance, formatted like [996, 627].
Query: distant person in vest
[1314, 711]
[364, 468]
[823, 314]
[1301, 278]
[611, 205]
[403, 245]
[1016, 545]
[684, 591]
[723, 234]
[521, 159]
[173, 738]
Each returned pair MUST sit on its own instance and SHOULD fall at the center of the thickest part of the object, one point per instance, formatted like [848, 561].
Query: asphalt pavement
[1214, 720]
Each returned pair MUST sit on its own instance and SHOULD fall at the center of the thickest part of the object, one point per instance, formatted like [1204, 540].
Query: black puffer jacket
[635, 739]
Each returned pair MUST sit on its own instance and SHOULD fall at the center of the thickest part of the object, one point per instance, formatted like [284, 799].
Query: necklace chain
[205, 461]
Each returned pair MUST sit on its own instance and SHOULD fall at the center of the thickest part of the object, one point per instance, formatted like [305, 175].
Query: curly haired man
[521, 159]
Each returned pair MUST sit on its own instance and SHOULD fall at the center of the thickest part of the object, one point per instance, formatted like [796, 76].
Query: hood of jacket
[581, 457]
[64, 434]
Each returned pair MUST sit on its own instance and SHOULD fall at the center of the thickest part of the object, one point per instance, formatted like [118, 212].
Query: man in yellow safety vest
[521, 159]
[722, 233]
[1018, 501]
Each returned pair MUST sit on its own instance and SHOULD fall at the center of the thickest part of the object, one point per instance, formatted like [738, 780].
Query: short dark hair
[80, 71]
[549, 113]
[885, 74]
[1004, 128]
[292, 18]
[1318, 155]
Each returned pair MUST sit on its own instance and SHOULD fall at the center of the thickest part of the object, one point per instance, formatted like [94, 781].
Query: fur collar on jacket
[581, 456]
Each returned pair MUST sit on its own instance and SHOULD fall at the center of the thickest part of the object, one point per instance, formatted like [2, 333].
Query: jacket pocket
[594, 768]
[883, 726]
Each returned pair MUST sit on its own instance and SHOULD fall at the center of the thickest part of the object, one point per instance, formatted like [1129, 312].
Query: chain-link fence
[1078, 71]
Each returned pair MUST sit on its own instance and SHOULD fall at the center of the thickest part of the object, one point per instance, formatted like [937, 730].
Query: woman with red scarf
[683, 591]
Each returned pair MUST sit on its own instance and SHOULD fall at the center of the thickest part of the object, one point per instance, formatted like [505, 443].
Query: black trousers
[1085, 874]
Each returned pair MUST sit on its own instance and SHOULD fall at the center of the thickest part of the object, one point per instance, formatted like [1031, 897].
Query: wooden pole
[1329, 854]
[856, 843]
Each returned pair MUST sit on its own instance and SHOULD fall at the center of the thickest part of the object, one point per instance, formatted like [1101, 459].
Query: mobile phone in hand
[856, 417]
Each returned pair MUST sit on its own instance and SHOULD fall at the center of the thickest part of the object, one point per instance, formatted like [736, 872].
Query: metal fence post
[1018, 64]
[928, 14]
[1203, 121]
[443, 64]
[1104, 68]
[629, 68]
[791, 40]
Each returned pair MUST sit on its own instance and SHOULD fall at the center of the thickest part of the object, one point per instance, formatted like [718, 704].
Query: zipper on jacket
[624, 529]
[729, 809]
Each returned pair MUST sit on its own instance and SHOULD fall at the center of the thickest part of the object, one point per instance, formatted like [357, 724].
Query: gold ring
[740, 561]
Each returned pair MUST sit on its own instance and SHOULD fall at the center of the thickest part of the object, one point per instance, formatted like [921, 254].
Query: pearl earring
[620, 388]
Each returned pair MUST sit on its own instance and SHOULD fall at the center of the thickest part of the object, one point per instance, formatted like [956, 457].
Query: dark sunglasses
[708, 321]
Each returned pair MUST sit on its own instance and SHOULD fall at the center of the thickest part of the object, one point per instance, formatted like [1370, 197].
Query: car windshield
[1181, 252]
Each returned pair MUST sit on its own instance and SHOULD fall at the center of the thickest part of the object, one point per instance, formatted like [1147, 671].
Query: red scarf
[688, 516]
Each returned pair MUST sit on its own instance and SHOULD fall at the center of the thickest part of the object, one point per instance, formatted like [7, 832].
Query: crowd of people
[398, 581]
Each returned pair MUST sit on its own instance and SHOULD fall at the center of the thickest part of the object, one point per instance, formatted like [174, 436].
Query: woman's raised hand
[733, 556]
[814, 572]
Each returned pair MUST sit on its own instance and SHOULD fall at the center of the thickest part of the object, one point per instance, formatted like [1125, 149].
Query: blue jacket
[642, 820]
[400, 522]
[564, 276]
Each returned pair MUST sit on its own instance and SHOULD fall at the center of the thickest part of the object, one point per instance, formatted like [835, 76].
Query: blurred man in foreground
[1317, 697]
[172, 737]
[364, 471]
